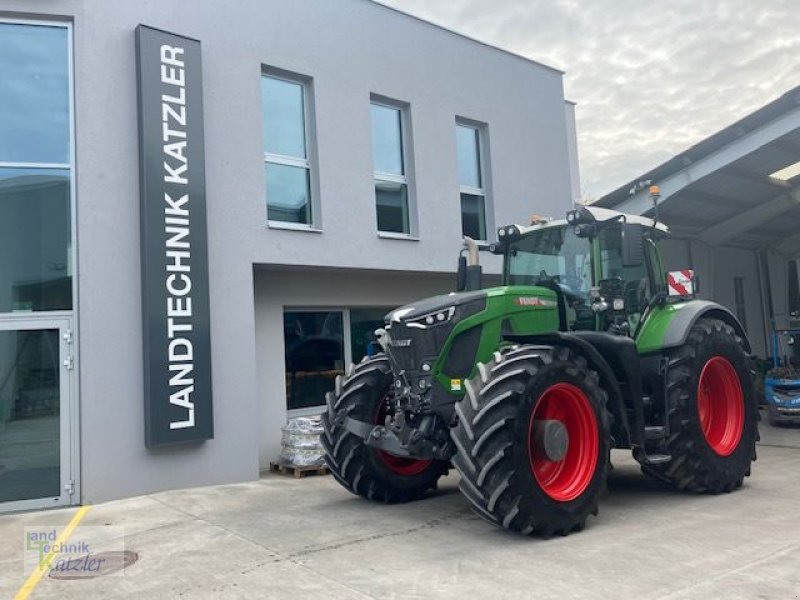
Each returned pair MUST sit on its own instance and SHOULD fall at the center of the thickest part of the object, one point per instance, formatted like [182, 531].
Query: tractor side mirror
[632, 245]
[461, 274]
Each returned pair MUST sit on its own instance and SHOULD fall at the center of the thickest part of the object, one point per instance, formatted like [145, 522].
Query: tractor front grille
[404, 346]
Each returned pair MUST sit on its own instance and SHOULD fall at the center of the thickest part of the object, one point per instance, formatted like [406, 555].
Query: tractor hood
[438, 309]
[436, 305]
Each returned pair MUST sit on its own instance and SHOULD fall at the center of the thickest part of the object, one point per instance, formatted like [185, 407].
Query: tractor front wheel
[533, 440]
[365, 394]
[712, 412]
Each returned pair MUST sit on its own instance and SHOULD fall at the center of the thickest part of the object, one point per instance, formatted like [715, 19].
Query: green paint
[534, 310]
[651, 335]
[516, 303]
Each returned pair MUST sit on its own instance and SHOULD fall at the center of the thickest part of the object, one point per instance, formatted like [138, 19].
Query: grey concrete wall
[351, 48]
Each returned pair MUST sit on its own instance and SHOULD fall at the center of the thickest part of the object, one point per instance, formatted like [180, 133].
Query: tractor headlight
[508, 232]
[432, 318]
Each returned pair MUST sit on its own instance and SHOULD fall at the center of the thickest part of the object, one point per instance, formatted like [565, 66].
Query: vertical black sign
[177, 345]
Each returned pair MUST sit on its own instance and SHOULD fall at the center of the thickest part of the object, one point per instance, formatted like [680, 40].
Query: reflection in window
[392, 204]
[314, 355]
[315, 351]
[391, 180]
[290, 189]
[473, 216]
[29, 415]
[35, 269]
[35, 217]
[288, 178]
[363, 323]
[34, 94]
[387, 139]
[470, 176]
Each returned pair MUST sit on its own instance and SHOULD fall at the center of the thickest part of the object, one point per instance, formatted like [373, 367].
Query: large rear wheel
[533, 440]
[712, 412]
[365, 395]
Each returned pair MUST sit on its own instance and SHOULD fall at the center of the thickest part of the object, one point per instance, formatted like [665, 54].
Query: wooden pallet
[298, 471]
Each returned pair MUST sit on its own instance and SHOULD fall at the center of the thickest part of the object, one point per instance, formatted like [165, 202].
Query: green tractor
[526, 388]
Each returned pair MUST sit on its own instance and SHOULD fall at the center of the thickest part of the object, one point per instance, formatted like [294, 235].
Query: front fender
[669, 325]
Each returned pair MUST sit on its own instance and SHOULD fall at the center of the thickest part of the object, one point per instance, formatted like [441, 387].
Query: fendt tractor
[526, 388]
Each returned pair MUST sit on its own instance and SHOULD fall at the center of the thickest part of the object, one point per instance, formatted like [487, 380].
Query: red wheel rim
[568, 478]
[405, 467]
[720, 405]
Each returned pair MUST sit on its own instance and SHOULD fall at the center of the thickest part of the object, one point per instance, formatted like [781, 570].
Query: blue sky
[650, 77]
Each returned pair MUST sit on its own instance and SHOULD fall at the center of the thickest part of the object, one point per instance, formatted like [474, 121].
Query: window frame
[70, 443]
[69, 166]
[308, 163]
[406, 155]
[484, 172]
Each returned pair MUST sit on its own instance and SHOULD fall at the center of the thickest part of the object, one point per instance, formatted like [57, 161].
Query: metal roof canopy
[720, 189]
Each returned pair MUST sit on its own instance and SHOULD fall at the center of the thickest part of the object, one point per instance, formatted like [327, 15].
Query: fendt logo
[400, 343]
[532, 301]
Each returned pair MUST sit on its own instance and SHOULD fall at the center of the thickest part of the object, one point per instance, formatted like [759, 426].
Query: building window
[738, 291]
[363, 323]
[318, 349]
[471, 181]
[390, 167]
[286, 155]
[35, 168]
[314, 355]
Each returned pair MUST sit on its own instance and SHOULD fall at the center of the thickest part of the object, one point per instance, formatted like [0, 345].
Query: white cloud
[650, 77]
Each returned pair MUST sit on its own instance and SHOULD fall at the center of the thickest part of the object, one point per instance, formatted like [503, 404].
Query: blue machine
[781, 385]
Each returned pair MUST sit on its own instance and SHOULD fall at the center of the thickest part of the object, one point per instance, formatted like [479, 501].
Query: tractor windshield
[554, 253]
[557, 255]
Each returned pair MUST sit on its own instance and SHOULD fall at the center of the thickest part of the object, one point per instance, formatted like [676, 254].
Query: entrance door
[35, 401]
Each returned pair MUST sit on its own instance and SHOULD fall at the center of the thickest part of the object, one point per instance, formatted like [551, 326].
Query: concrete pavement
[309, 538]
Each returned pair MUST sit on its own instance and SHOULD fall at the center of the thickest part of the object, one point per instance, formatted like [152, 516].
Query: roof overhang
[722, 190]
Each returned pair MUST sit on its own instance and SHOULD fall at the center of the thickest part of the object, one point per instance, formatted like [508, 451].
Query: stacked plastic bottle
[300, 443]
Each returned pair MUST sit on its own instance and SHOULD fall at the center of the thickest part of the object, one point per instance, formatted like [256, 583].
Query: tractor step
[656, 432]
[657, 459]
[641, 455]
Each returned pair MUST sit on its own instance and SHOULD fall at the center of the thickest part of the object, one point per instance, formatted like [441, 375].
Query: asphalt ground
[282, 537]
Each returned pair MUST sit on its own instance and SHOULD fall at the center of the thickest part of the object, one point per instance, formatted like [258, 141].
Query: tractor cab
[603, 266]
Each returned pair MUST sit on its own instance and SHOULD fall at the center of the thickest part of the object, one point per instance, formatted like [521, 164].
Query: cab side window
[635, 280]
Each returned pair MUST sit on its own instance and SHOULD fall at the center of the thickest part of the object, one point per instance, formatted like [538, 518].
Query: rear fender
[669, 325]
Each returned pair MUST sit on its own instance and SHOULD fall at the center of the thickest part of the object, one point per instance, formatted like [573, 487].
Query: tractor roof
[601, 215]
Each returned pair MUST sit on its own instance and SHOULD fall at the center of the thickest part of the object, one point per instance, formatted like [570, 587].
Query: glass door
[35, 382]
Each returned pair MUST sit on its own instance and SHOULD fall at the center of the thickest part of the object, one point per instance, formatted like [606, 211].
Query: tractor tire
[364, 395]
[506, 475]
[712, 412]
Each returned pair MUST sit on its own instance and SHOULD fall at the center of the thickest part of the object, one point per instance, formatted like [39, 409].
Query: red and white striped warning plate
[680, 283]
